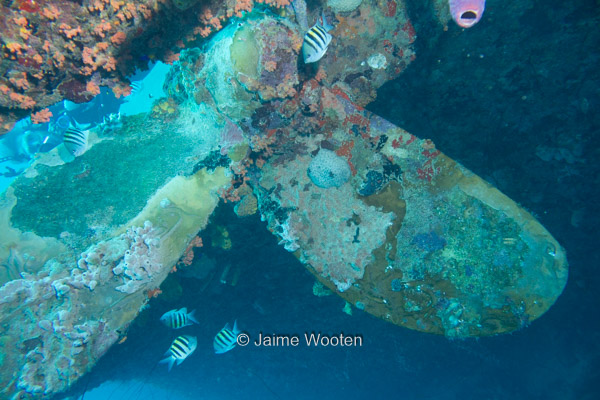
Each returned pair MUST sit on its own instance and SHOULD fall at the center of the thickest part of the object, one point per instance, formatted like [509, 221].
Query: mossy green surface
[109, 184]
[244, 52]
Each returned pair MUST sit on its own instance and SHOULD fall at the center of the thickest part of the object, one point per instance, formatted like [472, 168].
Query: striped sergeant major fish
[226, 339]
[75, 140]
[136, 87]
[316, 41]
[181, 348]
[178, 318]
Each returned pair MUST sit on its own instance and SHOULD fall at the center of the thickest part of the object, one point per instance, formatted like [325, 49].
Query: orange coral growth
[97, 5]
[24, 102]
[68, 31]
[15, 48]
[21, 21]
[95, 58]
[118, 38]
[51, 12]
[92, 88]
[145, 11]
[59, 60]
[171, 57]
[247, 5]
[25, 33]
[19, 80]
[240, 7]
[153, 293]
[276, 3]
[88, 56]
[189, 251]
[270, 66]
[101, 28]
[262, 143]
[285, 90]
[210, 21]
[110, 64]
[70, 46]
[117, 4]
[121, 91]
[41, 116]
[345, 150]
[229, 195]
[204, 32]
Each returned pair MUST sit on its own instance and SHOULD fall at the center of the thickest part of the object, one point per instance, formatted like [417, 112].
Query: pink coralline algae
[140, 262]
[60, 331]
[59, 347]
[335, 232]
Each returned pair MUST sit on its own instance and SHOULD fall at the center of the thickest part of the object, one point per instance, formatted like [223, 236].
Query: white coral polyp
[343, 5]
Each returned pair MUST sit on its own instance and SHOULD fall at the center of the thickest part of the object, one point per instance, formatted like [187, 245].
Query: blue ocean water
[514, 99]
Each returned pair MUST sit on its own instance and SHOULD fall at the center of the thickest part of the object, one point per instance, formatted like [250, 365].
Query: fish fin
[324, 22]
[79, 125]
[192, 318]
[227, 326]
[184, 310]
[170, 360]
[236, 330]
[179, 361]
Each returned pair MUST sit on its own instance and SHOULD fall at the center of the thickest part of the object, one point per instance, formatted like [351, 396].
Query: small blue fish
[75, 141]
[178, 318]
[316, 41]
[180, 349]
[226, 339]
[136, 87]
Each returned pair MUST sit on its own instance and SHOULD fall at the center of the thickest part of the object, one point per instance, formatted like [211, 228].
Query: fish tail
[324, 22]
[192, 318]
[170, 360]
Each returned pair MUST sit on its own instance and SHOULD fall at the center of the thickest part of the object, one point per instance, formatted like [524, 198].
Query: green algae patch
[238, 152]
[110, 183]
[220, 76]
[22, 251]
[244, 52]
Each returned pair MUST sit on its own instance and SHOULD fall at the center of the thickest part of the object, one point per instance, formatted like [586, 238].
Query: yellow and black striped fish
[178, 318]
[226, 339]
[75, 141]
[316, 41]
[180, 349]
